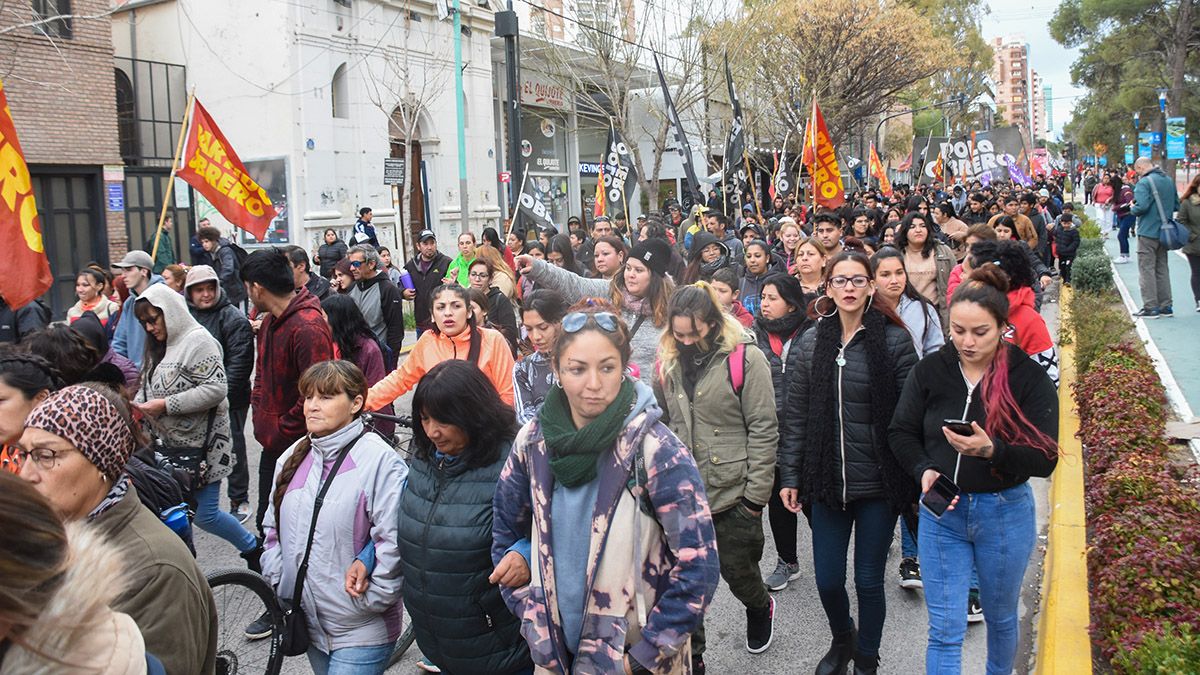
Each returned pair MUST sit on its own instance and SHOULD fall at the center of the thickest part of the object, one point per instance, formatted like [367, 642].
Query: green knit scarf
[574, 452]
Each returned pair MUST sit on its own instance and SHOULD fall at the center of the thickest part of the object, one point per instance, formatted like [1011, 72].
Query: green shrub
[1090, 247]
[1087, 229]
[1176, 650]
[1091, 274]
[1093, 323]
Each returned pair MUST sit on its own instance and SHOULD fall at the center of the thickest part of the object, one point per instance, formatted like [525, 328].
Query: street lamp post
[1162, 120]
[1137, 143]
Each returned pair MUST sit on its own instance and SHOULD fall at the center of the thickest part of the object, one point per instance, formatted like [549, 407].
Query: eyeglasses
[45, 458]
[575, 321]
[858, 281]
[356, 263]
[479, 275]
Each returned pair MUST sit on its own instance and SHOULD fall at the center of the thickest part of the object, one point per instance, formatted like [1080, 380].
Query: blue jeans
[872, 521]
[996, 531]
[210, 518]
[908, 542]
[350, 660]
[1124, 225]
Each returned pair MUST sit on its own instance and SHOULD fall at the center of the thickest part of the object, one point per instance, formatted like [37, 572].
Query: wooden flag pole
[753, 188]
[162, 215]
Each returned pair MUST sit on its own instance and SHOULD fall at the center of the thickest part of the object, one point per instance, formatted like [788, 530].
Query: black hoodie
[936, 391]
[232, 329]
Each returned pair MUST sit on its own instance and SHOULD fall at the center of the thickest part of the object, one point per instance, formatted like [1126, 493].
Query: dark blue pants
[872, 522]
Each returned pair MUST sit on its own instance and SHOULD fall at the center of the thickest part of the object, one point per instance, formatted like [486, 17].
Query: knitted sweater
[191, 377]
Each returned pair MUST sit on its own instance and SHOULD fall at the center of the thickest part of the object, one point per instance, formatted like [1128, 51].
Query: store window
[544, 154]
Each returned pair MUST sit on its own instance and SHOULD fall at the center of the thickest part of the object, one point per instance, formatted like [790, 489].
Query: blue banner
[1129, 154]
[1145, 143]
[1176, 137]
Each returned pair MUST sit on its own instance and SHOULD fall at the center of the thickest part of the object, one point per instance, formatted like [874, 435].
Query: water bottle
[176, 518]
[406, 279]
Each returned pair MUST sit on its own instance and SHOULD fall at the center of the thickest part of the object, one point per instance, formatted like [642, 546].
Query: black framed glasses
[45, 458]
[575, 321]
[857, 281]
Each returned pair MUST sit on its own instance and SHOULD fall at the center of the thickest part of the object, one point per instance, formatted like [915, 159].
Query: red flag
[24, 268]
[821, 158]
[774, 172]
[601, 202]
[876, 166]
[210, 165]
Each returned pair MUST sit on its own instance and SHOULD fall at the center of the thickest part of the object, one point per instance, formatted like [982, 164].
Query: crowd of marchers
[601, 419]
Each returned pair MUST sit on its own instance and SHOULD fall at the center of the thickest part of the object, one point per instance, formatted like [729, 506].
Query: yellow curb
[1063, 643]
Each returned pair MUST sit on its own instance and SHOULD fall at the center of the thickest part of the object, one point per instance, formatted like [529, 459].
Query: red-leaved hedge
[1143, 517]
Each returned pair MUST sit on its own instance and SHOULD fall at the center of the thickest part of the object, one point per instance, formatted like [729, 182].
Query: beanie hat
[87, 420]
[789, 289]
[654, 253]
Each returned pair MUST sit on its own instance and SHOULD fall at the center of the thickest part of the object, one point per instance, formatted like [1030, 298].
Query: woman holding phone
[1012, 409]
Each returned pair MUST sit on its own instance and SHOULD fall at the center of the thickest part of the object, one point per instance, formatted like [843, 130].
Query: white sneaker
[1122, 259]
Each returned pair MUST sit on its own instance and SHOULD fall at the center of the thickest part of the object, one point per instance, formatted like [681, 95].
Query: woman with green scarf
[597, 455]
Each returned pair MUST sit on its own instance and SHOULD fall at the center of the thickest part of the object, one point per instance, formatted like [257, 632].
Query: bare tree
[413, 71]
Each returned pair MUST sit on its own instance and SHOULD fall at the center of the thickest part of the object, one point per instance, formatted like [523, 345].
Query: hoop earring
[869, 299]
[817, 307]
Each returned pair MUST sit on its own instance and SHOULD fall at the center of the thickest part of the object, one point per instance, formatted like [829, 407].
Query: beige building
[1013, 78]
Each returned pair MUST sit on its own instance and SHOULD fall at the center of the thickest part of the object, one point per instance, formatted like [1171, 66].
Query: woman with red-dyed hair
[1012, 407]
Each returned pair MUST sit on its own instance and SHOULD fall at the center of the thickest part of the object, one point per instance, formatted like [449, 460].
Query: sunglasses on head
[575, 321]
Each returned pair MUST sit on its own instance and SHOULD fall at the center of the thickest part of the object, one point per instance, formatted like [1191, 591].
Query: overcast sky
[1029, 18]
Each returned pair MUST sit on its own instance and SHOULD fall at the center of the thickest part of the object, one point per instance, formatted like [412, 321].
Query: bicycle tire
[405, 641]
[235, 653]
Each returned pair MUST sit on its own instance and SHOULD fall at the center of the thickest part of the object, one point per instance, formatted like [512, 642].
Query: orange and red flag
[24, 268]
[210, 165]
[601, 200]
[821, 159]
[876, 167]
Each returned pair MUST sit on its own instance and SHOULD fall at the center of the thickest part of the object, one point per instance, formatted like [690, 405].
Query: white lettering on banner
[960, 160]
[537, 207]
[538, 90]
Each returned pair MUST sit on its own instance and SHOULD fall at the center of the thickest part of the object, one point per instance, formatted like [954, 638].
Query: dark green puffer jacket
[459, 619]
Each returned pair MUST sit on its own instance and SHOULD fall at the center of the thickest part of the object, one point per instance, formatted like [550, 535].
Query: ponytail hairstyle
[29, 373]
[698, 302]
[329, 378]
[987, 287]
[73, 356]
[463, 294]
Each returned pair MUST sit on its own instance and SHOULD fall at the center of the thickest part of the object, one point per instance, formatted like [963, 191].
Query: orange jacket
[495, 360]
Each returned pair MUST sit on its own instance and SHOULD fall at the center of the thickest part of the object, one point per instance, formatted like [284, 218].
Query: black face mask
[689, 351]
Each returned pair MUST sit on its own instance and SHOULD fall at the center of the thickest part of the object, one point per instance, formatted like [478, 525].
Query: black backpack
[161, 487]
[239, 255]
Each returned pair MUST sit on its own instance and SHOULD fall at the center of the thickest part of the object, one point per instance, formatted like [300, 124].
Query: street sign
[505, 176]
[1156, 138]
[115, 193]
[393, 171]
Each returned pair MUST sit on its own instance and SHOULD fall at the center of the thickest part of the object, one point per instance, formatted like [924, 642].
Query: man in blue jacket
[129, 340]
[1154, 198]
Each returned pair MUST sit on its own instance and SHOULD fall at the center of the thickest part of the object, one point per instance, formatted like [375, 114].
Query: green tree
[1129, 50]
[958, 22]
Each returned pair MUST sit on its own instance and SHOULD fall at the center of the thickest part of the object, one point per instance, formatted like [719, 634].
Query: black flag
[735, 146]
[533, 202]
[620, 172]
[691, 193]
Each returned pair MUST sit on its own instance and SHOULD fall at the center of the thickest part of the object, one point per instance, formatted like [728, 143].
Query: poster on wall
[544, 143]
[271, 174]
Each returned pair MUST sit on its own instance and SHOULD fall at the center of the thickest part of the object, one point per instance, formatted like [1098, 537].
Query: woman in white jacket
[353, 620]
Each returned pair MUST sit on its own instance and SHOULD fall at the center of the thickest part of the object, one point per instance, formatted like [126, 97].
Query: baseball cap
[426, 234]
[199, 274]
[641, 216]
[136, 259]
[1044, 192]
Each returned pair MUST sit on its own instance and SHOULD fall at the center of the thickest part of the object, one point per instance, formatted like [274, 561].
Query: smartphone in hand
[941, 494]
[960, 427]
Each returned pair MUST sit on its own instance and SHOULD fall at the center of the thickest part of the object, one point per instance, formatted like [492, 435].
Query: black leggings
[783, 524]
[1194, 262]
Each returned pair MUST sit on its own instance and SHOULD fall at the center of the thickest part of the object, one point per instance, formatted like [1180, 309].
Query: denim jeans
[908, 536]
[1124, 225]
[238, 487]
[872, 521]
[210, 518]
[996, 531]
[350, 660]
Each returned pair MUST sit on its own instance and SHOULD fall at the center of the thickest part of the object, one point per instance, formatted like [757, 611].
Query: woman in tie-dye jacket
[597, 455]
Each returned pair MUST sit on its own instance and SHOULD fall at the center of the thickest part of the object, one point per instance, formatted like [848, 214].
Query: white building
[303, 90]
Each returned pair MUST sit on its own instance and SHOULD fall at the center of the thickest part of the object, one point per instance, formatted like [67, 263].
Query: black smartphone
[941, 493]
[960, 427]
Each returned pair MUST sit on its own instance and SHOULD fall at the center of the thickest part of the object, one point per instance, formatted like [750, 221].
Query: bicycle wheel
[242, 597]
[402, 644]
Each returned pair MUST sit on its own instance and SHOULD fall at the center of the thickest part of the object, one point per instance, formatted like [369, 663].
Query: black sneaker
[1146, 313]
[910, 574]
[760, 628]
[261, 628]
[698, 667]
[974, 609]
[253, 556]
[1166, 312]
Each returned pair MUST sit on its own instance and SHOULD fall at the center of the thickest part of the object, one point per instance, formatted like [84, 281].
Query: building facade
[314, 96]
[1012, 76]
[59, 83]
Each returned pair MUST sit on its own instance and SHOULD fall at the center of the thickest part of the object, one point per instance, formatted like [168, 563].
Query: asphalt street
[801, 630]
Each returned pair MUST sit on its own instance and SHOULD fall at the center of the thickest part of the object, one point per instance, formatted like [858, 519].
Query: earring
[817, 307]
[869, 299]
